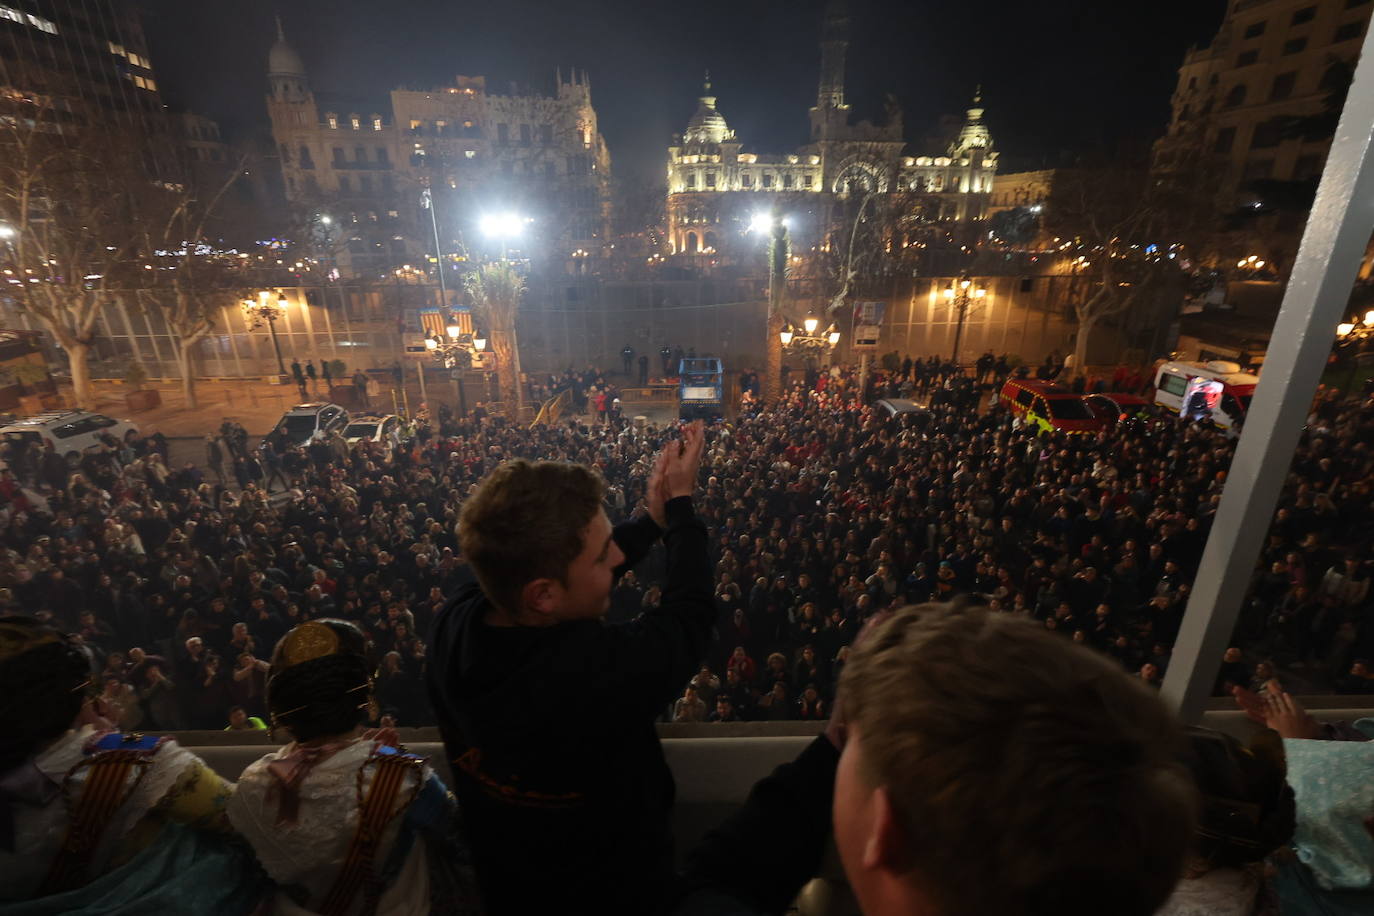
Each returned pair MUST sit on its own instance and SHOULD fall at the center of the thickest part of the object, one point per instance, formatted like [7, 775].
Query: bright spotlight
[502, 225]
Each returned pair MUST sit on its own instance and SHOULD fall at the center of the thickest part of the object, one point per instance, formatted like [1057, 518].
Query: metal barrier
[661, 394]
[553, 408]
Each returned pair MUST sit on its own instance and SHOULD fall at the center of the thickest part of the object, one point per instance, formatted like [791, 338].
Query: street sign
[868, 325]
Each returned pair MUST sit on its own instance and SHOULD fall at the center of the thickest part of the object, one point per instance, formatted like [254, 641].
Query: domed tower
[285, 72]
[295, 121]
[707, 125]
[975, 134]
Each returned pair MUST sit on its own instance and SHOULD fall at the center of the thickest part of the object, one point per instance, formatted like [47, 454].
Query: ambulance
[1217, 391]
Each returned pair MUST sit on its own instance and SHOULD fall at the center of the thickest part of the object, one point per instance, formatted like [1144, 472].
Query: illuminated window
[376, 123]
[117, 50]
[415, 124]
[332, 120]
[37, 22]
[470, 153]
[355, 122]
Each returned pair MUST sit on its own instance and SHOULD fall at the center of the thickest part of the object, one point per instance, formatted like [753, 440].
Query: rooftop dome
[283, 60]
[708, 125]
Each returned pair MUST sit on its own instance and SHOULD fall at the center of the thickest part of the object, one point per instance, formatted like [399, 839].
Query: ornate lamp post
[456, 352]
[962, 293]
[262, 311]
[805, 338]
[1349, 336]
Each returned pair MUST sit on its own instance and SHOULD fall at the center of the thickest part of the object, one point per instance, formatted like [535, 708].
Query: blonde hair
[1028, 775]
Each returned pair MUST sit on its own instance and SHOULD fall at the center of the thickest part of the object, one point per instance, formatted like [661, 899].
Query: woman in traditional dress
[346, 821]
[93, 820]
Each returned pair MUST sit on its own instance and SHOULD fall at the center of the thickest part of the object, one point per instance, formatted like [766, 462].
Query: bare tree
[192, 277]
[1119, 227]
[495, 291]
[65, 202]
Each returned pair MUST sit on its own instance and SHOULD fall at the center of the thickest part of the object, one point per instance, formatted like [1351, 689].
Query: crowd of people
[821, 513]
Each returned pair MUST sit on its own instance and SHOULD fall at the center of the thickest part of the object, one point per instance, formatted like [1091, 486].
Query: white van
[1217, 390]
[71, 432]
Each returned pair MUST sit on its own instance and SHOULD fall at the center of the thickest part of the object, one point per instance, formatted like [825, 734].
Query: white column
[1337, 232]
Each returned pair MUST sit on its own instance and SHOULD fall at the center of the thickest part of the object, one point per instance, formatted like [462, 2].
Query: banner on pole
[868, 325]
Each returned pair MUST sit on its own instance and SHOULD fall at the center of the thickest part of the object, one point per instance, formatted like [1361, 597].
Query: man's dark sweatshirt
[564, 792]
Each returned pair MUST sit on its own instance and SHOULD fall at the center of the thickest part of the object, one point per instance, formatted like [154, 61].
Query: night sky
[1061, 78]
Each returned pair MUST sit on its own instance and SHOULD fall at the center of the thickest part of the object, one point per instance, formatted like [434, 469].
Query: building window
[1294, 45]
[469, 154]
[376, 122]
[365, 185]
[1235, 97]
[1226, 138]
[1254, 30]
[360, 154]
[710, 179]
[39, 23]
[1283, 86]
[345, 185]
[1308, 168]
[546, 134]
[1348, 31]
[746, 181]
[415, 125]
[1246, 58]
[382, 156]
[387, 186]
[339, 161]
[355, 122]
[787, 181]
[691, 181]
[305, 160]
[1267, 134]
[332, 120]
[768, 179]
[806, 180]
[524, 135]
[1185, 112]
[503, 134]
[1306, 14]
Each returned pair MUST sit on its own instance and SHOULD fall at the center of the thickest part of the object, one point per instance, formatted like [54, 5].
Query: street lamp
[264, 310]
[456, 353]
[961, 293]
[505, 225]
[1349, 336]
[805, 338]
[773, 223]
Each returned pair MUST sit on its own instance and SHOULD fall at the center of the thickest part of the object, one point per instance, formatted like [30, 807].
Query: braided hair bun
[319, 682]
[44, 679]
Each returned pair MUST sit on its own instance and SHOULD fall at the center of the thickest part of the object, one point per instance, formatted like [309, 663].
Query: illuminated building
[715, 187]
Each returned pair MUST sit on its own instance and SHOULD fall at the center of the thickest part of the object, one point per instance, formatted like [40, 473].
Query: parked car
[1047, 407]
[305, 421]
[1113, 407]
[71, 432]
[906, 412]
[373, 427]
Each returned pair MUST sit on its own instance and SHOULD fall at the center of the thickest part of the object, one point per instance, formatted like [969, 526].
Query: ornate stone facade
[715, 187]
[479, 151]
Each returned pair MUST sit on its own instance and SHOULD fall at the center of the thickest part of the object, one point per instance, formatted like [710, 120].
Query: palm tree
[495, 293]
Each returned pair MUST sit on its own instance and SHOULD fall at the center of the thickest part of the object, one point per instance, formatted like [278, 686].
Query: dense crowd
[821, 513]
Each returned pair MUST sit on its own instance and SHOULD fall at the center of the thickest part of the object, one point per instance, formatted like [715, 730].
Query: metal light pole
[778, 247]
[962, 292]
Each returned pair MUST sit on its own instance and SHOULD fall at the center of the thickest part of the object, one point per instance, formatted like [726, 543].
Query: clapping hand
[675, 471]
